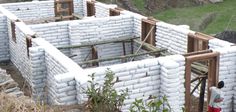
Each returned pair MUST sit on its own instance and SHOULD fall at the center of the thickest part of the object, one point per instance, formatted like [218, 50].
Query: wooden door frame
[213, 73]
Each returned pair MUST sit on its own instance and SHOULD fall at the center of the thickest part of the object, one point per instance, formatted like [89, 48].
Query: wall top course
[179, 29]
[24, 28]
[226, 50]
[105, 5]
[220, 42]
[8, 13]
[98, 20]
[125, 12]
[51, 24]
[71, 66]
[26, 3]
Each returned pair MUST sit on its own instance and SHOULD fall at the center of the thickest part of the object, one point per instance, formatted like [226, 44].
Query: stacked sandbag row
[227, 73]
[97, 30]
[38, 73]
[31, 10]
[217, 43]
[61, 89]
[78, 7]
[103, 10]
[140, 77]
[4, 45]
[172, 37]
[137, 22]
[8, 85]
[172, 81]
[56, 33]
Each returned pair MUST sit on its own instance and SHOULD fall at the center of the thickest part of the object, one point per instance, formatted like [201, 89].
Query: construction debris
[8, 85]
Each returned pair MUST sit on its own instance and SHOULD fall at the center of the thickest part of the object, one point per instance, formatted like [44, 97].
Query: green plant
[154, 105]
[105, 98]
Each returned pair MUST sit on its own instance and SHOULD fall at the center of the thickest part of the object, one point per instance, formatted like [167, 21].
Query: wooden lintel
[200, 57]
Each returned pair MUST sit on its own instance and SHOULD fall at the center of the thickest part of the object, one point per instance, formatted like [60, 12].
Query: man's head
[221, 84]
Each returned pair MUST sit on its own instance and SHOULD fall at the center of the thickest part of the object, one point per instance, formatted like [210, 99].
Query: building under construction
[57, 44]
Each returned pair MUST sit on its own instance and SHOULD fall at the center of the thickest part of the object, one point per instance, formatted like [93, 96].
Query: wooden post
[90, 8]
[188, 85]
[190, 44]
[202, 93]
[94, 56]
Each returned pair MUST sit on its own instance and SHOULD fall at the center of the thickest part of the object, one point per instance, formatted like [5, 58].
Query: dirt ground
[16, 76]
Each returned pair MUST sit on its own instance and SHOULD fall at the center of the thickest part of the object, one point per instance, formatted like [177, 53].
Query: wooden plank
[200, 57]
[197, 52]
[202, 35]
[146, 46]
[97, 43]
[120, 57]
[90, 8]
[114, 12]
[190, 44]
[13, 31]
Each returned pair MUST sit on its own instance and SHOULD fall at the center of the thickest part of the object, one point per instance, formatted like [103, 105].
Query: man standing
[216, 98]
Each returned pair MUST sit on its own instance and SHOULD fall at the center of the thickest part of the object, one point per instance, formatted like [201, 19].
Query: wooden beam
[202, 56]
[202, 94]
[97, 43]
[197, 52]
[196, 87]
[76, 16]
[146, 46]
[144, 41]
[121, 57]
[199, 77]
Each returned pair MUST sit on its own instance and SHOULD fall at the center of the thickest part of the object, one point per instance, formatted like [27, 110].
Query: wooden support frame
[13, 29]
[90, 8]
[198, 42]
[121, 57]
[213, 73]
[29, 43]
[149, 31]
[61, 11]
[98, 43]
[115, 11]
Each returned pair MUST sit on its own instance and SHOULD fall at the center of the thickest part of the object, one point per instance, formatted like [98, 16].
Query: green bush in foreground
[105, 98]
[154, 105]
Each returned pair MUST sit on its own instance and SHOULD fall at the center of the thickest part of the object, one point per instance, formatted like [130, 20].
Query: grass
[193, 15]
[140, 4]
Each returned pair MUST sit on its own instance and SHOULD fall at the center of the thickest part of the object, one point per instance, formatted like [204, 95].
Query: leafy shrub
[105, 98]
[154, 105]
